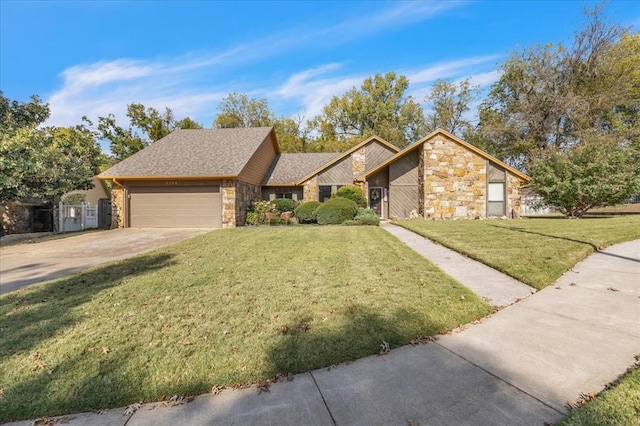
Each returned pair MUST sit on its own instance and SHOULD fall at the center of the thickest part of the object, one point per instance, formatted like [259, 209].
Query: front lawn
[534, 251]
[619, 405]
[223, 309]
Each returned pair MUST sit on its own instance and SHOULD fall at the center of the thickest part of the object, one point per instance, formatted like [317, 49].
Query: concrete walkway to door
[27, 264]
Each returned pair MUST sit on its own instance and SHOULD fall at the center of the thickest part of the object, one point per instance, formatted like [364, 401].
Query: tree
[237, 110]
[549, 97]
[147, 125]
[380, 107]
[597, 172]
[293, 133]
[14, 114]
[449, 103]
[42, 163]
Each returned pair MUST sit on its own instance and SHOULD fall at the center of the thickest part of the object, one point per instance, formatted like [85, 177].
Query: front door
[375, 200]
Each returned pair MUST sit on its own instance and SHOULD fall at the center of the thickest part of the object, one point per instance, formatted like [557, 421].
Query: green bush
[306, 212]
[353, 193]
[252, 218]
[284, 205]
[336, 210]
[258, 212]
[364, 217]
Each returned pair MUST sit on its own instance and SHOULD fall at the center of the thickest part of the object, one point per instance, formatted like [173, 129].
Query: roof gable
[440, 132]
[288, 168]
[345, 154]
[193, 153]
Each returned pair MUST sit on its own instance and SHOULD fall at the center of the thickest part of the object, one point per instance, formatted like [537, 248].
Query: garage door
[175, 207]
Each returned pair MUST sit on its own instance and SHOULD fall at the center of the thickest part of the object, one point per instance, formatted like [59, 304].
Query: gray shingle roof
[289, 168]
[193, 152]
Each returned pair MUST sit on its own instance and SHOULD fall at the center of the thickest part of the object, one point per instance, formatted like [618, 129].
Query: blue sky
[92, 58]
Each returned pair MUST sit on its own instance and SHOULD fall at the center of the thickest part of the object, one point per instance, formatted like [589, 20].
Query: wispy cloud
[192, 84]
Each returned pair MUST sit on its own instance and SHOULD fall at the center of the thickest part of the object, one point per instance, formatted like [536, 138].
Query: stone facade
[246, 194]
[358, 161]
[228, 194]
[16, 219]
[310, 190]
[455, 184]
[514, 196]
[117, 207]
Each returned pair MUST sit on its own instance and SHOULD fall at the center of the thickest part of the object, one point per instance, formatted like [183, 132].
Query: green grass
[619, 405]
[227, 308]
[534, 251]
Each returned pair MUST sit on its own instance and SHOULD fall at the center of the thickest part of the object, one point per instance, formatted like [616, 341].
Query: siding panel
[376, 154]
[340, 173]
[257, 167]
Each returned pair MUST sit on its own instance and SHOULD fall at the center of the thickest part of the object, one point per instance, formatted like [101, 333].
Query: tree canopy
[379, 107]
[594, 173]
[551, 96]
[449, 104]
[42, 163]
[146, 125]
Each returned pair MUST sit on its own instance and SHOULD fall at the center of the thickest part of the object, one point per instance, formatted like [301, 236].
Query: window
[324, 193]
[288, 195]
[495, 200]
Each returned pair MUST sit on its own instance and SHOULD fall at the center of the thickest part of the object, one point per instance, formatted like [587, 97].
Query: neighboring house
[93, 196]
[34, 215]
[443, 177]
[208, 178]
[25, 216]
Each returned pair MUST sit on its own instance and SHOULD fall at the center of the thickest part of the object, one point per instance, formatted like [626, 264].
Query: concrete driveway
[28, 264]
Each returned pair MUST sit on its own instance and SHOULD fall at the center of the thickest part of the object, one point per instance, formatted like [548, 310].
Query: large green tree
[42, 162]
[550, 97]
[379, 107]
[449, 102]
[146, 125]
[597, 172]
[238, 110]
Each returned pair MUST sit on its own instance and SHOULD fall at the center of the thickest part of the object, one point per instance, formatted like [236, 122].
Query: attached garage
[175, 206]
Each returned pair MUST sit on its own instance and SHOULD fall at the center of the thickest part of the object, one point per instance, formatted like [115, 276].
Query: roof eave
[456, 139]
[203, 177]
[345, 154]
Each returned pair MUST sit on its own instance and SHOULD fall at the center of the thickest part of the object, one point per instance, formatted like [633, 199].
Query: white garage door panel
[175, 207]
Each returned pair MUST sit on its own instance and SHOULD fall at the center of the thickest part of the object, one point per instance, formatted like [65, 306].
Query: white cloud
[194, 83]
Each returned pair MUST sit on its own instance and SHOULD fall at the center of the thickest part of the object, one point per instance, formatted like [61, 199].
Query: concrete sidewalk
[517, 367]
[495, 287]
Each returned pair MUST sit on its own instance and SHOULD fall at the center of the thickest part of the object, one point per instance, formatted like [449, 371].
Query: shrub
[353, 193]
[252, 218]
[336, 210]
[284, 205]
[257, 213]
[364, 217]
[306, 212]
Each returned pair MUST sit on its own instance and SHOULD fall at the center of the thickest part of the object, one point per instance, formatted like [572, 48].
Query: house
[26, 216]
[100, 191]
[36, 215]
[443, 177]
[196, 178]
[315, 176]
[209, 177]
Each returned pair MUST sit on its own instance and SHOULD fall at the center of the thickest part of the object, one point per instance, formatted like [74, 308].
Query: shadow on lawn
[36, 313]
[301, 348]
[30, 316]
[516, 229]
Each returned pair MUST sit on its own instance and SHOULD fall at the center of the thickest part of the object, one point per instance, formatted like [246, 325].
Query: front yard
[223, 309]
[534, 251]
